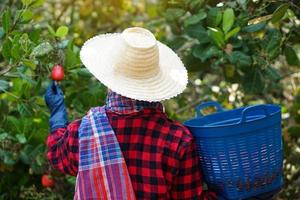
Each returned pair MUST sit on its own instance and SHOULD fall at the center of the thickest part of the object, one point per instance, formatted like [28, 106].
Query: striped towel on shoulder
[102, 172]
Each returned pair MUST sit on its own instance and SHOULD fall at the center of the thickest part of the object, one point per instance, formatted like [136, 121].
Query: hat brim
[97, 54]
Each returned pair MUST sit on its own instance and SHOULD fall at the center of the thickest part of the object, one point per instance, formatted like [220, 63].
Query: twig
[63, 11]
[294, 5]
[9, 93]
[16, 21]
[180, 110]
[4, 71]
[289, 74]
[291, 2]
[3, 8]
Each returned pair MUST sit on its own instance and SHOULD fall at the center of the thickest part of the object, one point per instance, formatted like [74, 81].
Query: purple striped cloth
[102, 172]
[125, 105]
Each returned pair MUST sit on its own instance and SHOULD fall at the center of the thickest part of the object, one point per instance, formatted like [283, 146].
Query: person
[128, 148]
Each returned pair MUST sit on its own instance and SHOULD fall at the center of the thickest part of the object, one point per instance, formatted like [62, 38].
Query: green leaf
[214, 17]
[4, 110]
[194, 19]
[71, 180]
[27, 15]
[37, 3]
[25, 43]
[84, 72]
[243, 3]
[197, 31]
[29, 63]
[240, 59]
[254, 81]
[232, 32]
[4, 85]
[2, 33]
[294, 131]
[62, 31]
[273, 73]
[194, 64]
[217, 36]
[42, 49]
[81, 72]
[6, 20]
[174, 13]
[177, 42]
[195, 4]
[204, 53]
[27, 83]
[272, 43]
[6, 49]
[51, 30]
[25, 154]
[229, 70]
[16, 51]
[9, 158]
[24, 109]
[255, 27]
[279, 13]
[26, 2]
[291, 56]
[35, 35]
[21, 138]
[228, 19]
[6, 136]
[296, 47]
[71, 57]
[20, 125]
[40, 159]
[22, 86]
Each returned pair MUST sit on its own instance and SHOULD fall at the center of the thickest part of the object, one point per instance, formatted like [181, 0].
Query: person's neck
[121, 104]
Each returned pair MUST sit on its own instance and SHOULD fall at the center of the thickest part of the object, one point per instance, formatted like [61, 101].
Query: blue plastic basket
[240, 150]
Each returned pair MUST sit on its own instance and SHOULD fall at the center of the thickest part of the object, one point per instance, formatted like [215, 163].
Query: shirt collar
[125, 105]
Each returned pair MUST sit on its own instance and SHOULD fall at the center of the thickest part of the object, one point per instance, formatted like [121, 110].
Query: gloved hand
[54, 99]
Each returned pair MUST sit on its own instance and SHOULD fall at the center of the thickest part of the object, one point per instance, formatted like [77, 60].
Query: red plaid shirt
[160, 153]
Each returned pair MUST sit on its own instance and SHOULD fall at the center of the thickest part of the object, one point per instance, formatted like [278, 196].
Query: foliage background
[237, 52]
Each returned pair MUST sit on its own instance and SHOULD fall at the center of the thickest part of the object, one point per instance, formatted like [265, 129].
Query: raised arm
[63, 148]
[62, 142]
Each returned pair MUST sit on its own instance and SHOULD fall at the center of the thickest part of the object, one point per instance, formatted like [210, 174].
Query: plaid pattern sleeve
[187, 184]
[63, 148]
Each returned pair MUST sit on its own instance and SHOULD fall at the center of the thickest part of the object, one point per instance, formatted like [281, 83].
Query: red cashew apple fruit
[47, 181]
[57, 73]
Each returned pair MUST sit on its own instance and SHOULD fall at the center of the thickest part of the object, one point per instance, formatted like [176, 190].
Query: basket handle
[255, 107]
[205, 105]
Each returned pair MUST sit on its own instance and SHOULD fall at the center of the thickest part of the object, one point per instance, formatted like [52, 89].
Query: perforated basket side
[244, 165]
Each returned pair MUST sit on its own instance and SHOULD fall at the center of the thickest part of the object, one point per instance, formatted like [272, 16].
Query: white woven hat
[135, 65]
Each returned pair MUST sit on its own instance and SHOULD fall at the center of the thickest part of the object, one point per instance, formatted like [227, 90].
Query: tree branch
[289, 74]
[180, 110]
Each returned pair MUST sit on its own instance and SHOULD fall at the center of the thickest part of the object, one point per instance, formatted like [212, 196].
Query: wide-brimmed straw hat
[135, 65]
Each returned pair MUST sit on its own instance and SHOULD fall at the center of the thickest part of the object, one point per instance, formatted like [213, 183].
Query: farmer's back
[160, 153]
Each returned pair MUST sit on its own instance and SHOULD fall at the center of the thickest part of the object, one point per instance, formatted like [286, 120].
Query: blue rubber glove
[54, 99]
